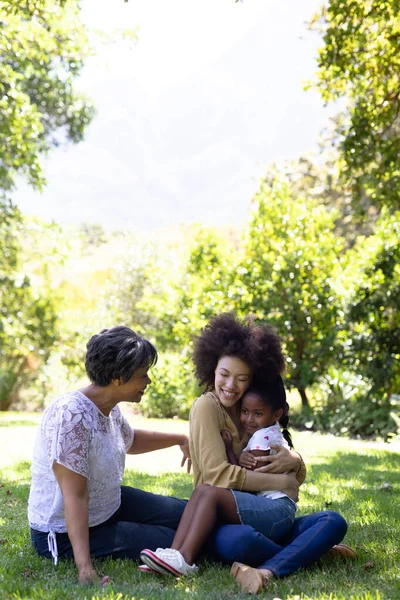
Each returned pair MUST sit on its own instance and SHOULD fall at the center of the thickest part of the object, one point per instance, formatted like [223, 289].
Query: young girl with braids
[263, 409]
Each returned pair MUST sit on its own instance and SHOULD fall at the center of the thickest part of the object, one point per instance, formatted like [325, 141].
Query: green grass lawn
[343, 475]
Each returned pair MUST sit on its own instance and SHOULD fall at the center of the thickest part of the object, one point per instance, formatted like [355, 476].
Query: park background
[162, 162]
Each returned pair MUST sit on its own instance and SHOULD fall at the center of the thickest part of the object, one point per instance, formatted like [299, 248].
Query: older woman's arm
[75, 493]
[148, 441]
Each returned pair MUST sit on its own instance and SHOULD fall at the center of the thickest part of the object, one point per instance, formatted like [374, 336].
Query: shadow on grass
[365, 490]
[373, 528]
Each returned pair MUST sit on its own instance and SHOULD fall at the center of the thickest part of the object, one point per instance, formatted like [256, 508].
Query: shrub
[172, 390]
[346, 405]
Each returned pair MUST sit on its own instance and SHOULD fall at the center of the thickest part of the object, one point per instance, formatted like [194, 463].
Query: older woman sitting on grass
[77, 506]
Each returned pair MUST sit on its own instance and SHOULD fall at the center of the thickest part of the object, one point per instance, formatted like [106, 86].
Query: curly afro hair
[259, 346]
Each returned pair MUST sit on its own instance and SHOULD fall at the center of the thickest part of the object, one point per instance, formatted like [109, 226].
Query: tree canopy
[360, 59]
[42, 47]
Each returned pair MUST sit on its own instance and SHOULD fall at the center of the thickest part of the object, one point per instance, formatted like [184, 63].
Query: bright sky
[189, 117]
[176, 37]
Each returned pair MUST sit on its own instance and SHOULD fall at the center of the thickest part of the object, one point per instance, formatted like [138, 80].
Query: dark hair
[273, 394]
[116, 353]
[259, 346]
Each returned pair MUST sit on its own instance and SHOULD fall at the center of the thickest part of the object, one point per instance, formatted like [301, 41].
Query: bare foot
[251, 580]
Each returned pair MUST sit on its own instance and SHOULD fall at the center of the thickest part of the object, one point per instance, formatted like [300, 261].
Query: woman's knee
[337, 522]
[235, 542]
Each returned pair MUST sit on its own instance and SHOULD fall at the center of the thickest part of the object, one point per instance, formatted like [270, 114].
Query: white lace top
[76, 434]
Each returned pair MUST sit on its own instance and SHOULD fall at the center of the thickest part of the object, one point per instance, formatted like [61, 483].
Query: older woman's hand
[88, 576]
[282, 462]
[186, 454]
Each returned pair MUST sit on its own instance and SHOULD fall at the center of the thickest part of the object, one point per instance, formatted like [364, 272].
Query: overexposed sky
[176, 37]
[189, 116]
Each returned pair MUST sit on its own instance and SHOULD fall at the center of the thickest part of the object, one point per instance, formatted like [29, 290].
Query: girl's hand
[226, 437]
[247, 460]
[186, 454]
[283, 461]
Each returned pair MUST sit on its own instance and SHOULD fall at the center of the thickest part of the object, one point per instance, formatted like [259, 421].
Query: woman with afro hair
[229, 355]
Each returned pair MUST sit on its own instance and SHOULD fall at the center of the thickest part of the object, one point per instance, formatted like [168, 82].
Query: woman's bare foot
[251, 580]
[342, 551]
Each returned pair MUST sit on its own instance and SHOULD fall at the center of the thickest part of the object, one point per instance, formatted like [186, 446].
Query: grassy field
[347, 476]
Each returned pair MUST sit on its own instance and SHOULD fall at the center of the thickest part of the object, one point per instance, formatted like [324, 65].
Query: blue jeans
[272, 518]
[146, 520]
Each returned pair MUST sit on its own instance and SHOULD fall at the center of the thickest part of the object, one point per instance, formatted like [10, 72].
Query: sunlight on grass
[343, 475]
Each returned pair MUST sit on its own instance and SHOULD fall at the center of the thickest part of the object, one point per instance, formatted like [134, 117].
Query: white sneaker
[167, 560]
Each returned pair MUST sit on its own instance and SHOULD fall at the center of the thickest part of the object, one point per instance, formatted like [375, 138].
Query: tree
[43, 46]
[360, 60]
[374, 308]
[205, 288]
[27, 318]
[288, 270]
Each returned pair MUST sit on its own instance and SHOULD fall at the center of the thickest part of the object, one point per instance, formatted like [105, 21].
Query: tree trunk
[303, 396]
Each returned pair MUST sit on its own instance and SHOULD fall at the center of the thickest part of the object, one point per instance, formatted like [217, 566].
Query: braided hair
[273, 394]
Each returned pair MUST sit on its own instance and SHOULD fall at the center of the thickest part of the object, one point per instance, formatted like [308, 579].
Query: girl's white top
[262, 440]
[77, 435]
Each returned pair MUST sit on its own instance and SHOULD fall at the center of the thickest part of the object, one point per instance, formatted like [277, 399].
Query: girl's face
[232, 378]
[256, 414]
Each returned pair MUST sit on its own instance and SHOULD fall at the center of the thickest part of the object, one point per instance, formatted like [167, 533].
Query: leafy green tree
[360, 60]
[27, 318]
[205, 288]
[290, 258]
[374, 308]
[42, 46]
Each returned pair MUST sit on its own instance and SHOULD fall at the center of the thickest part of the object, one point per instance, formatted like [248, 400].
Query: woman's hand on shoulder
[186, 454]
[283, 461]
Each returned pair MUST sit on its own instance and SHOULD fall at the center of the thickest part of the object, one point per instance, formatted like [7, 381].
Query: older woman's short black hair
[259, 346]
[116, 353]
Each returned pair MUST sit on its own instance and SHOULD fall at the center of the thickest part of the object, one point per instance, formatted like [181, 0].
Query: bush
[365, 417]
[172, 390]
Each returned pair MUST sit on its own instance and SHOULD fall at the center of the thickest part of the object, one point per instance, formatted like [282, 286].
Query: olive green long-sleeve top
[207, 449]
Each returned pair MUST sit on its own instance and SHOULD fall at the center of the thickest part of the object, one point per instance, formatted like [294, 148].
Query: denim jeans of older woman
[146, 520]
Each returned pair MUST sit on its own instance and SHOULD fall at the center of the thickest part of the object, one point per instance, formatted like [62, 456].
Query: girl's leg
[188, 515]
[210, 505]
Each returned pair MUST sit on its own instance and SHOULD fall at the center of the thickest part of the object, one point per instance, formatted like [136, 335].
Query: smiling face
[133, 390]
[232, 378]
[256, 414]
